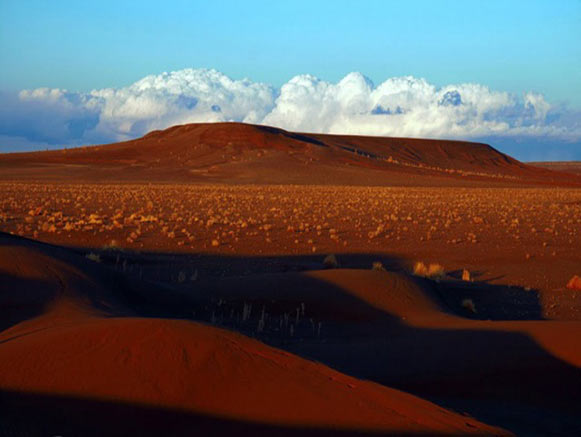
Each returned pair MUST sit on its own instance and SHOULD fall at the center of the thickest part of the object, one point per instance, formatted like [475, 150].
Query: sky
[76, 73]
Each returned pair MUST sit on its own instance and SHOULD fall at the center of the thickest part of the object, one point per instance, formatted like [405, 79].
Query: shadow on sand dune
[366, 324]
[494, 302]
[40, 415]
[30, 303]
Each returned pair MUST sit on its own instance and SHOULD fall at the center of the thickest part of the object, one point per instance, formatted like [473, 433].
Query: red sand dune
[380, 305]
[242, 153]
[72, 334]
[404, 332]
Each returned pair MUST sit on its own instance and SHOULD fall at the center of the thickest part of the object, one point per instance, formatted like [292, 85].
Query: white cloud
[400, 106]
[185, 96]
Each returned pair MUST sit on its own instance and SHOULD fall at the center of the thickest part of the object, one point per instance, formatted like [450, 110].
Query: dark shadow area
[33, 414]
[491, 302]
[28, 303]
[473, 370]
[178, 270]
[165, 267]
[485, 368]
[307, 139]
[524, 420]
[295, 136]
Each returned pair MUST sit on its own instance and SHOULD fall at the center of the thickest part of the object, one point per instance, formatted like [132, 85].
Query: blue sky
[507, 46]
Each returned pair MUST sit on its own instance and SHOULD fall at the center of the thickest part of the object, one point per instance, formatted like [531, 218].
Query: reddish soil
[573, 167]
[184, 290]
[241, 153]
[526, 238]
[79, 334]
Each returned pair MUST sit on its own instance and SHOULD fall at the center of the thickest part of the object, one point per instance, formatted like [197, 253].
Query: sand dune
[374, 316]
[76, 337]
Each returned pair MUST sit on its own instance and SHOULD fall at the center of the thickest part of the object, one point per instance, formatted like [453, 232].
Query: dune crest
[82, 340]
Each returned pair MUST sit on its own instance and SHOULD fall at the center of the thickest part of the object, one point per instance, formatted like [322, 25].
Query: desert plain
[235, 279]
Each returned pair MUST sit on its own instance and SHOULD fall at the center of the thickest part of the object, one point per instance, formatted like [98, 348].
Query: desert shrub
[420, 269]
[113, 245]
[468, 305]
[466, 275]
[93, 257]
[574, 283]
[330, 262]
[377, 266]
[436, 271]
[432, 271]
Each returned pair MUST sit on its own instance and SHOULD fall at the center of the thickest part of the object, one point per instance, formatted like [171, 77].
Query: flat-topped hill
[243, 153]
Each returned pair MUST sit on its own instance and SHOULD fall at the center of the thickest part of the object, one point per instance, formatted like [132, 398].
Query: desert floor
[526, 238]
[488, 344]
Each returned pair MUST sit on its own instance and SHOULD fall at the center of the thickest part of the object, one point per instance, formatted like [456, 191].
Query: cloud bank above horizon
[399, 106]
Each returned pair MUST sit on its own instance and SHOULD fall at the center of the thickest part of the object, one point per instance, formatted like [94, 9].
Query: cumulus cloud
[400, 106]
[407, 106]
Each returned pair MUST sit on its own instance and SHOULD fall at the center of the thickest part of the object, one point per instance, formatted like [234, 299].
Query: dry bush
[113, 245]
[420, 269]
[330, 262]
[93, 257]
[377, 266]
[436, 271]
[432, 271]
[468, 305]
[574, 283]
[466, 275]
